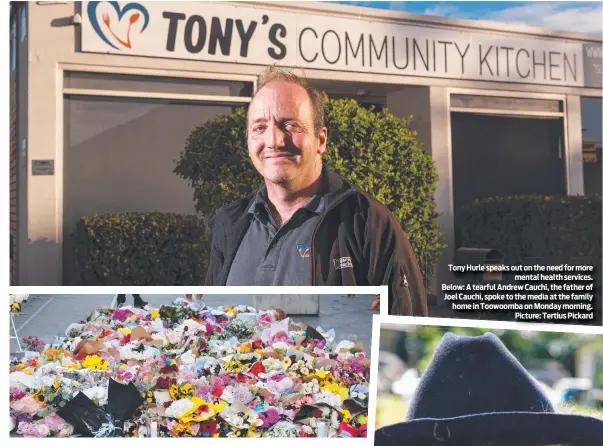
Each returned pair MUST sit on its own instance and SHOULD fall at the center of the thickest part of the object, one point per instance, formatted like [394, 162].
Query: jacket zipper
[320, 220]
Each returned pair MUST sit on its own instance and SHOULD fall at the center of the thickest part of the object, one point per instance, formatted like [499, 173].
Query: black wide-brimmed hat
[475, 393]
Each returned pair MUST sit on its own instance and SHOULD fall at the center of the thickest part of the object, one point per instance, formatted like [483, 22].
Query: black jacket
[355, 227]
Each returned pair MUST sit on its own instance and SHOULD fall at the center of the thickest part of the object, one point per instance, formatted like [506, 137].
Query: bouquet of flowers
[192, 371]
[17, 301]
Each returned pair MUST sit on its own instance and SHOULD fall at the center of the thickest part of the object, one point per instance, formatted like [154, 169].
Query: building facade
[104, 95]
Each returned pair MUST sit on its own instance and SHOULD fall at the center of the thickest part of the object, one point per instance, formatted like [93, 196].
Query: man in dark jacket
[306, 225]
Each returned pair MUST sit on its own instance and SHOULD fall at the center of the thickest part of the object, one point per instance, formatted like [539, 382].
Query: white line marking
[35, 314]
[114, 301]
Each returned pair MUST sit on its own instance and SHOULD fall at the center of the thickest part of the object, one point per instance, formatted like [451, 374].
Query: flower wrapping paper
[200, 372]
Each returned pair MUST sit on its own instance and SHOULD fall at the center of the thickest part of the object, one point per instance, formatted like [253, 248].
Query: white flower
[272, 364]
[43, 429]
[233, 418]
[177, 408]
[98, 394]
[280, 345]
[327, 397]
[128, 352]
[188, 358]
[254, 419]
[310, 387]
[192, 327]
[344, 345]
[66, 431]
[18, 298]
[307, 429]
[283, 429]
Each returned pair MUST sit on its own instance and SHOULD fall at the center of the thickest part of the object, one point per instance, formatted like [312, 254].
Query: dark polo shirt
[269, 255]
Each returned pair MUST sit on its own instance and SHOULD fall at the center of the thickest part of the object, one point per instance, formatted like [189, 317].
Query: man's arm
[392, 262]
[216, 259]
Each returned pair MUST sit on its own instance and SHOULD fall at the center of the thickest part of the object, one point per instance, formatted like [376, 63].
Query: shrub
[543, 230]
[139, 249]
[528, 228]
[375, 151]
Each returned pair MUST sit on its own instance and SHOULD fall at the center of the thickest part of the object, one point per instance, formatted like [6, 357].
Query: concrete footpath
[47, 316]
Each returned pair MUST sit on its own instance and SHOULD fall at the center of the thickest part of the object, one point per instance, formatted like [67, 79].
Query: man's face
[281, 140]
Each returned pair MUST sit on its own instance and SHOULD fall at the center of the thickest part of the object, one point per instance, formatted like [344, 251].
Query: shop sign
[258, 35]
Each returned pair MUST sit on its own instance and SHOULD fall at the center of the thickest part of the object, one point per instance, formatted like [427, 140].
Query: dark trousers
[123, 296]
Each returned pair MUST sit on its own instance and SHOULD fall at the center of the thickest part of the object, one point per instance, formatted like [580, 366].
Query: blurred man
[307, 225]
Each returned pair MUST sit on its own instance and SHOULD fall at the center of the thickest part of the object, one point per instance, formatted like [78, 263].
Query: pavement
[47, 316]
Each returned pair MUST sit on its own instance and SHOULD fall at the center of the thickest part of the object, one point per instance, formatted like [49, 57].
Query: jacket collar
[333, 187]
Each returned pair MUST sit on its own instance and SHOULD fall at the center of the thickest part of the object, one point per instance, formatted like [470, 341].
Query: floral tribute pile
[186, 370]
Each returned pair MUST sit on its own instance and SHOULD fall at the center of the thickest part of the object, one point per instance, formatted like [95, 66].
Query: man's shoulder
[231, 212]
[370, 205]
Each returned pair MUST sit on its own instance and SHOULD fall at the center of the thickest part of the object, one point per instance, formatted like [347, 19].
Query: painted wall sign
[224, 33]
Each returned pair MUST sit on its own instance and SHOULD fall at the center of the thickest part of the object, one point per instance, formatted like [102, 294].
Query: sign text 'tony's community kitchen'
[225, 33]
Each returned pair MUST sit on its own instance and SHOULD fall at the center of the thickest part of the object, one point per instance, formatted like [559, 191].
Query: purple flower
[203, 390]
[23, 417]
[356, 366]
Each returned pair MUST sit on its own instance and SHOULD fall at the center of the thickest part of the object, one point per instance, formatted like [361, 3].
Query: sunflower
[39, 396]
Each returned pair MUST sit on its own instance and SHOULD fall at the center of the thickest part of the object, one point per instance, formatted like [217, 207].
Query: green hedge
[139, 249]
[526, 228]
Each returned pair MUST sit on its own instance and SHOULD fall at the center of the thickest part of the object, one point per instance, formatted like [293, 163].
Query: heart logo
[302, 251]
[135, 10]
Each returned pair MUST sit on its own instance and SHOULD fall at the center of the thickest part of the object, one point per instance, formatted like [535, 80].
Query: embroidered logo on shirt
[302, 251]
[344, 262]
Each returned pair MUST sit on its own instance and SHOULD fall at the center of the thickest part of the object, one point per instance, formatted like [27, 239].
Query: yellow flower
[346, 415]
[336, 389]
[73, 366]
[237, 370]
[39, 397]
[20, 366]
[286, 363]
[217, 435]
[95, 362]
[322, 374]
[154, 314]
[258, 350]
[174, 393]
[210, 410]
[28, 371]
[245, 348]
[15, 306]
[362, 419]
[124, 330]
